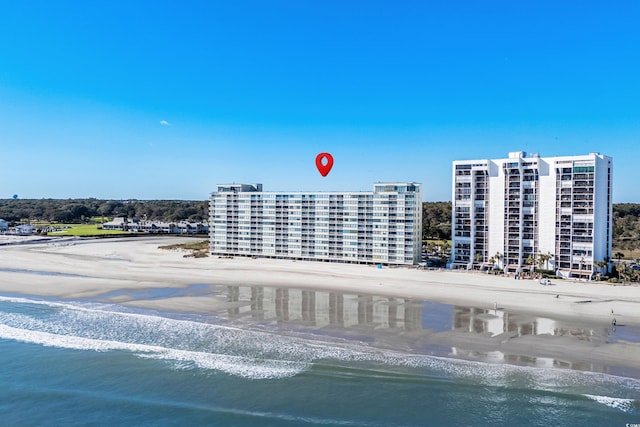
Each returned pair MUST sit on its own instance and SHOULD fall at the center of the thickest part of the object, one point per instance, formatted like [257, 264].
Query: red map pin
[324, 168]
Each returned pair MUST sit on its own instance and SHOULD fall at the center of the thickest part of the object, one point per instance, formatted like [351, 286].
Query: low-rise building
[24, 229]
[155, 227]
[117, 223]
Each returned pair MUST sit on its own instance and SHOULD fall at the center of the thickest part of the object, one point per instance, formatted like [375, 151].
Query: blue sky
[163, 100]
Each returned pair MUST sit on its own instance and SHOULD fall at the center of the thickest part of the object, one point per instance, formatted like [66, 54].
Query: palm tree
[618, 255]
[545, 258]
[601, 265]
[445, 247]
[530, 262]
[607, 260]
[498, 257]
[478, 257]
[582, 262]
[621, 268]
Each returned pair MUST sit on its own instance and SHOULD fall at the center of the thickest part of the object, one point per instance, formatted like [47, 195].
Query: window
[578, 169]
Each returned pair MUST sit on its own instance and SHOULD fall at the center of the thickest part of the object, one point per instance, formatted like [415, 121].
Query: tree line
[82, 210]
[436, 221]
[626, 226]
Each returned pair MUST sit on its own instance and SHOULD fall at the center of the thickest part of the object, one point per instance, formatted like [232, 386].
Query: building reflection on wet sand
[323, 308]
[497, 322]
[319, 309]
[359, 312]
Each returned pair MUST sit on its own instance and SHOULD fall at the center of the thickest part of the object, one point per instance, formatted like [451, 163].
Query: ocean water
[96, 363]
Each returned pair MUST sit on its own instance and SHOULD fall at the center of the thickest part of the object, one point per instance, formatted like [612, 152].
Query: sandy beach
[86, 269]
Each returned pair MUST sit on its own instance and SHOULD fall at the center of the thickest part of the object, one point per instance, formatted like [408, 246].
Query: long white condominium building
[382, 227]
[510, 212]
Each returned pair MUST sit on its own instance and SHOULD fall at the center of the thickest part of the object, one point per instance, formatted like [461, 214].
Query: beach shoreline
[116, 270]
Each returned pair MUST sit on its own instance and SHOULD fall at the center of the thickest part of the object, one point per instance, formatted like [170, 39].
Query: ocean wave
[262, 354]
[234, 365]
[625, 405]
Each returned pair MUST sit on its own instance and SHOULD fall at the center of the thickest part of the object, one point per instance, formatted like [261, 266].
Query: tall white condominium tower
[382, 227]
[526, 211]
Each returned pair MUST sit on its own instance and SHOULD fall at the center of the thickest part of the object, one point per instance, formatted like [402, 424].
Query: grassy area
[200, 245]
[628, 254]
[100, 219]
[81, 230]
[199, 249]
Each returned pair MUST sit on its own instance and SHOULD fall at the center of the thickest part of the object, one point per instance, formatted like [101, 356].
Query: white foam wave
[256, 353]
[625, 405]
[234, 365]
[21, 300]
[529, 377]
[135, 328]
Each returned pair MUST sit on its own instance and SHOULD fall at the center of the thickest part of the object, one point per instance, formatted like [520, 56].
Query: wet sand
[483, 317]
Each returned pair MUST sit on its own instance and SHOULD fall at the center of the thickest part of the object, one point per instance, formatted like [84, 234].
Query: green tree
[436, 220]
[602, 265]
[478, 258]
[545, 258]
[492, 261]
[621, 268]
[445, 247]
[498, 257]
